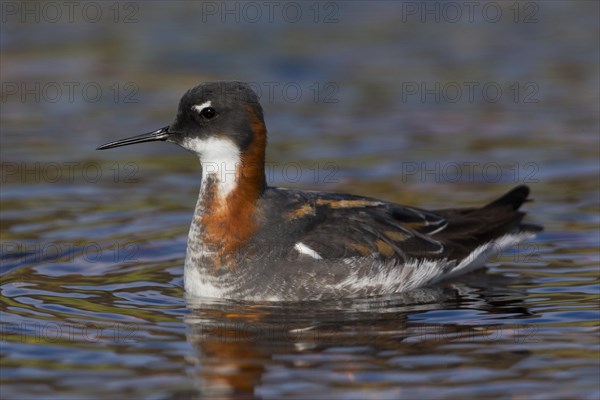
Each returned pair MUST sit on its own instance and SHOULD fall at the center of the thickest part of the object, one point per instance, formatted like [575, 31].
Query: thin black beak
[162, 134]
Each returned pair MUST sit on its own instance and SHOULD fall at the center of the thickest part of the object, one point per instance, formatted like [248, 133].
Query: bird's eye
[208, 112]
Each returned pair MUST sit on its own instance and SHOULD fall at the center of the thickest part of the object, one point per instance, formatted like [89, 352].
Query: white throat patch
[219, 158]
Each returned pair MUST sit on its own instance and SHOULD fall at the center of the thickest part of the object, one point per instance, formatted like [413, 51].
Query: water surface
[93, 243]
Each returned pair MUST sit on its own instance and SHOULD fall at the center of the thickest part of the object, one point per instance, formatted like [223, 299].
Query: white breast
[202, 286]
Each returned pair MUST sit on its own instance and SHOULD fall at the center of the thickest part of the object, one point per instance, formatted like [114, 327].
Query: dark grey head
[222, 112]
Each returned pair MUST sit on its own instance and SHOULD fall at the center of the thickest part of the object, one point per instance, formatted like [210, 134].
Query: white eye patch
[199, 107]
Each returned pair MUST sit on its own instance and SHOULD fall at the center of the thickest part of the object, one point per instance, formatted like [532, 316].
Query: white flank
[389, 278]
[485, 252]
[219, 158]
[202, 106]
[304, 249]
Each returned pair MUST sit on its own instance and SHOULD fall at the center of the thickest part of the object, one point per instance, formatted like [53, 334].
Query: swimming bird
[251, 241]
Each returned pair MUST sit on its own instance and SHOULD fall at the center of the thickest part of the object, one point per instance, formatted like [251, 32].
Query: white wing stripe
[304, 249]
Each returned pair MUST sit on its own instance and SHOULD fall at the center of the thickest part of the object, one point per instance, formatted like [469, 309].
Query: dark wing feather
[341, 226]
[470, 227]
[351, 226]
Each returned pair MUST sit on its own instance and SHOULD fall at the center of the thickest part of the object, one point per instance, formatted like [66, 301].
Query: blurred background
[432, 104]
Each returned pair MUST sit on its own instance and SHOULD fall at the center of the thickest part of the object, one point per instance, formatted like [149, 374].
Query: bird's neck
[226, 213]
[228, 173]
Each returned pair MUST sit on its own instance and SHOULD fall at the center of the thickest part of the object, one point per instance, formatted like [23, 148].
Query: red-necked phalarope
[251, 241]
